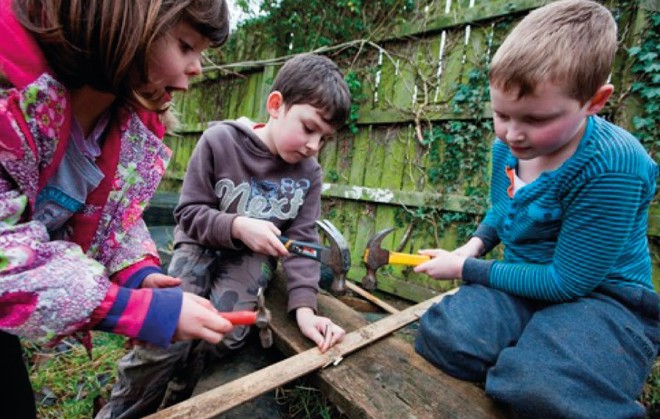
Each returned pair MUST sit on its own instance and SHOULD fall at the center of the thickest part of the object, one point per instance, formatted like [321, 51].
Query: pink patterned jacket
[50, 289]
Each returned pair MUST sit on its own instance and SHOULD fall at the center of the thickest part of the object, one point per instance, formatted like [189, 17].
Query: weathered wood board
[384, 380]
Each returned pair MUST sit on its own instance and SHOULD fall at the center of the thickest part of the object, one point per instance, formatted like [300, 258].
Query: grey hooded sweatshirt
[231, 172]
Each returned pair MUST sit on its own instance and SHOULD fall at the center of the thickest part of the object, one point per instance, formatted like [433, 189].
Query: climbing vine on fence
[296, 26]
[355, 88]
[646, 86]
[462, 146]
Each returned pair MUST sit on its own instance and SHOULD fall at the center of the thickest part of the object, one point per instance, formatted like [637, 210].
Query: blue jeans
[587, 358]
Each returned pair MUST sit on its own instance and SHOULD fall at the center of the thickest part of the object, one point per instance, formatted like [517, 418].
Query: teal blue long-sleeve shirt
[574, 228]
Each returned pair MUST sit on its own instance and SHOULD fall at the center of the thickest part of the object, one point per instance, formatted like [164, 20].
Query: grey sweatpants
[149, 378]
[586, 358]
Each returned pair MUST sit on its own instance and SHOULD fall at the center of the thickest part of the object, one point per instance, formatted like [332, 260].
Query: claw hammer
[375, 257]
[337, 256]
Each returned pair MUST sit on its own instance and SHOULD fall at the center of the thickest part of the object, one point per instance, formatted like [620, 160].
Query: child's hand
[321, 330]
[443, 265]
[200, 320]
[258, 235]
[156, 280]
[472, 249]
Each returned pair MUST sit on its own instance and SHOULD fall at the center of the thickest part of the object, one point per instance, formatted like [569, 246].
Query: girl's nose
[194, 68]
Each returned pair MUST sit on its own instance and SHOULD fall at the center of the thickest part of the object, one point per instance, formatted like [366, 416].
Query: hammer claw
[332, 231]
[375, 257]
[266, 337]
[340, 256]
[263, 320]
[337, 256]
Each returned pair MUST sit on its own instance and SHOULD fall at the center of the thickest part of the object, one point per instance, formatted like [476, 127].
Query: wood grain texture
[387, 379]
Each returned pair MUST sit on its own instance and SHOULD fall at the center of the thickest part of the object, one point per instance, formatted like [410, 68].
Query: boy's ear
[273, 103]
[598, 101]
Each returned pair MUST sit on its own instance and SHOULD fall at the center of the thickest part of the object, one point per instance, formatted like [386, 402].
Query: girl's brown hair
[105, 44]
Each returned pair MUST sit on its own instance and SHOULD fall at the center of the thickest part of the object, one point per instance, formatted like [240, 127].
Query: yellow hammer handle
[407, 259]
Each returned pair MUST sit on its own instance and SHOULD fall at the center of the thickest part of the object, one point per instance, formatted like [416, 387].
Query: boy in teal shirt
[567, 324]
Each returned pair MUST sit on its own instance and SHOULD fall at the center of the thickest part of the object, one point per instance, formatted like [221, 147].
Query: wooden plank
[383, 380]
[390, 116]
[455, 203]
[359, 157]
[353, 226]
[370, 297]
[364, 231]
[486, 10]
[327, 158]
[654, 220]
[246, 102]
[392, 281]
[393, 163]
[375, 159]
[344, 158]
[373, 117]
[256, 86]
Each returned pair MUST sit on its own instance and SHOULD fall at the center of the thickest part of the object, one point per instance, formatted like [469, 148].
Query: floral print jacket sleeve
[87, 278]
[54, 288]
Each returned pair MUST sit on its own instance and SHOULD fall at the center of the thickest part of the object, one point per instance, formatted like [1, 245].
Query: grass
[67, 383]
[303, 401]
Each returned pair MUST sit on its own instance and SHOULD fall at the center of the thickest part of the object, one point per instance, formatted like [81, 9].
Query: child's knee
[147, 356]
[440, 342]
[532, 388]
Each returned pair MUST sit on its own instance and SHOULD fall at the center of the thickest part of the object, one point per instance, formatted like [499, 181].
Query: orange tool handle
[241, 317]
[407, 259]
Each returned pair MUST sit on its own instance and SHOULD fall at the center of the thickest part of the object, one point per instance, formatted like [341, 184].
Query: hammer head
[339, 257]
[263, 320]
[375, 257]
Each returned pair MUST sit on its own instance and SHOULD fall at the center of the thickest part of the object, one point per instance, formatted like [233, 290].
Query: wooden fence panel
[398, 170]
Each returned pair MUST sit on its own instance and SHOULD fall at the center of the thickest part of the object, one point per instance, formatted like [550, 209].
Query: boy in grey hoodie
[246, 184]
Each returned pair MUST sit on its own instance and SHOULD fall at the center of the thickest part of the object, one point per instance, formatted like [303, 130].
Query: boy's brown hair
[571, 43]
[105, 44]
[315, 80]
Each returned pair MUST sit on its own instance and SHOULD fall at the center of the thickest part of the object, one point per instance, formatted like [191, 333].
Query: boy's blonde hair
[571, 43]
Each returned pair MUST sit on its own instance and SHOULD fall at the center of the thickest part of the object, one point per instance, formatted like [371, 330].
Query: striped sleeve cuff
[163, 316]
[135, 280]
[147, 314]
[477, 271]
[125, 275]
